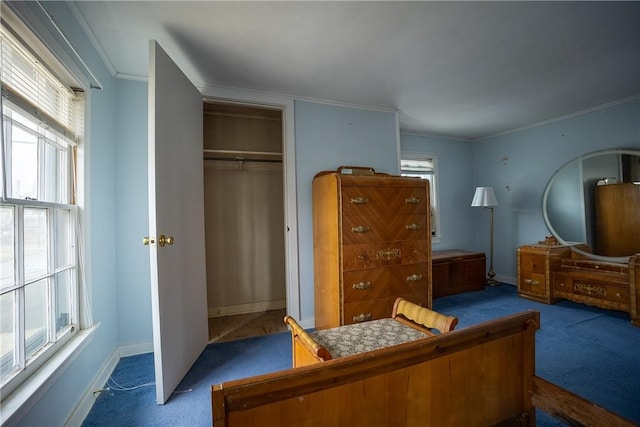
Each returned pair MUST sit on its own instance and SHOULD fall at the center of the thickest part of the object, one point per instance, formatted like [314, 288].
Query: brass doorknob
[147, 241]
[165, 240]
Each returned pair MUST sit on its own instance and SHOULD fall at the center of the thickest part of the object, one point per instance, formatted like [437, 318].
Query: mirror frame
[624, 259]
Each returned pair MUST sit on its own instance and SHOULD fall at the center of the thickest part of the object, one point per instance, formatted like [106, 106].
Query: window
[39, 309]
[424, 165]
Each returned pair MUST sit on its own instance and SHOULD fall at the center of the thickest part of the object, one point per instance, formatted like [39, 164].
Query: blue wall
[132, 214]
[455, 187]
[327, 137]
[518, 165]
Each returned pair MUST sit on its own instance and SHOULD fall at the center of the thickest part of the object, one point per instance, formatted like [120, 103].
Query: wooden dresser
[547, 273]
[455, 271]
[371, 244]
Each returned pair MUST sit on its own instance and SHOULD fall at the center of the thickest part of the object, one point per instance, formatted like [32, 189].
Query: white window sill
[16, 405]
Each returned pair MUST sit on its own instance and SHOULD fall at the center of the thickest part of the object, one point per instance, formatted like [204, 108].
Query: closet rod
[241, 152]
[239, 155]
[242, 159]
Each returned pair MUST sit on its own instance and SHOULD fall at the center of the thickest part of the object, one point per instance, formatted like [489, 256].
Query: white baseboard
[135, 349]
[506, 279]
[307, 323]
[253, 307]
[91, 394]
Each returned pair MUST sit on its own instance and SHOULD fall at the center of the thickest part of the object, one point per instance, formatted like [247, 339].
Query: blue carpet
[592, 352]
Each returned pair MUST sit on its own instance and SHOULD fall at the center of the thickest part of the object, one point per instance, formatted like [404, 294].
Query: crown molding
[559, 118]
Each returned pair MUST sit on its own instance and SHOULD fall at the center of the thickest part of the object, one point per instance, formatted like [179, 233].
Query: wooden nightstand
[535, 264]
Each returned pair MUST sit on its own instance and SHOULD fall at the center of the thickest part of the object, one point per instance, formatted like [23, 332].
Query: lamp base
[490, 278]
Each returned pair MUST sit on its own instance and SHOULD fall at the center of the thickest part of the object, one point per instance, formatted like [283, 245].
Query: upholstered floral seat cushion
[361, 337]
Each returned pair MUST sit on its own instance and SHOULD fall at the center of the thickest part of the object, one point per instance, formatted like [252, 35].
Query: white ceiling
[464, 70]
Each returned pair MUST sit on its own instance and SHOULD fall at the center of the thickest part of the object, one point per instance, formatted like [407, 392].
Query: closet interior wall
[244, 209]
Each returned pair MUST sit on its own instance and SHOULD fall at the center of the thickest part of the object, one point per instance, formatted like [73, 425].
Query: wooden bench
[480, 375]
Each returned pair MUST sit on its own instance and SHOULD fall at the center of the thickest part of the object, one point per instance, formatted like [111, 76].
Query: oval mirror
[595, 199]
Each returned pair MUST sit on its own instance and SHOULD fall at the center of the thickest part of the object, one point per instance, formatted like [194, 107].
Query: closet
[244, 209]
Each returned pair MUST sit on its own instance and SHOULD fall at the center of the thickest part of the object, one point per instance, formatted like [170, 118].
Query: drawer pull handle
[531, 282]
[618, 294]
[360, 201]
[414, 277]
[412, 200]
[362, 317]
[361, 286]
[388, 253]
[360, 229]
[413, 226]
[589, 289]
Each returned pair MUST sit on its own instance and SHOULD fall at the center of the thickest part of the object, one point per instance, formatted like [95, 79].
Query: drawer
[533, 283]
[604, 293]
[360, 311]
[590, 265]
[415, 251]
[383, 282]
[365, 284]
[370, 228]
[367, 256]
[413, 278]
[383, 200]
[532, 264]
[384, 254]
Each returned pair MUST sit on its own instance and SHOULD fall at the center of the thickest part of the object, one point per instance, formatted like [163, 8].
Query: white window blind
[30, 86]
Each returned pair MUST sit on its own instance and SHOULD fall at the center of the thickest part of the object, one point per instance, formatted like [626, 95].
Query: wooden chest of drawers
[455, 271]
[371, 245]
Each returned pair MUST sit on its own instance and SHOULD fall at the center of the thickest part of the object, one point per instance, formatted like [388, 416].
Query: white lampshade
[484, 197]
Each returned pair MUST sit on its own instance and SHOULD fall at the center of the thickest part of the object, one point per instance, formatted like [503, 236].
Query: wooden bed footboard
[478, 375]
[483, 375]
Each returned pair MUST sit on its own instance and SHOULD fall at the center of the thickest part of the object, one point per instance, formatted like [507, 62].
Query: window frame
[25, 364]
[18, 387]
[436, 234]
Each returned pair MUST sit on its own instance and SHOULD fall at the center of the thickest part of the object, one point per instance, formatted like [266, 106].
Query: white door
[176, 210]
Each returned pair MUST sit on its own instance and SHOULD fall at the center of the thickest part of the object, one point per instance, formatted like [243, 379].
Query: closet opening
[244, 220]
